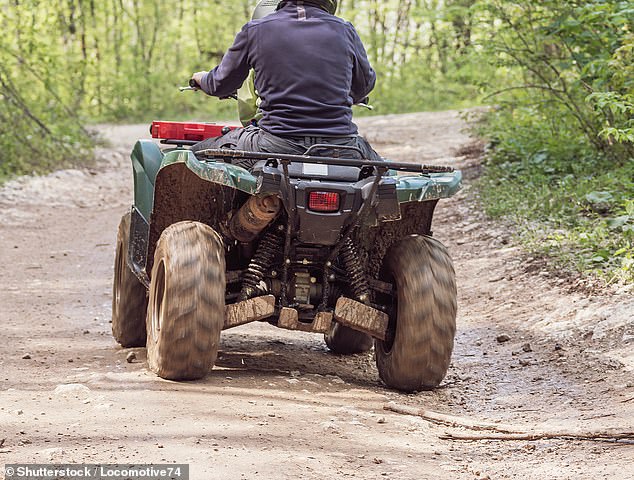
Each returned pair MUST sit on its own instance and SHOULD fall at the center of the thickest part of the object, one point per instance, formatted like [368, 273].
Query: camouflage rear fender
[217, 172]
[175, 186]
[434, 186]
[149, 162]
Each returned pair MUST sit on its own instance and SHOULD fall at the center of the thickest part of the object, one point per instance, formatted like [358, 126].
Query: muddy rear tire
[347, 341]
[129, 296]
[187, 302]
[417, 351]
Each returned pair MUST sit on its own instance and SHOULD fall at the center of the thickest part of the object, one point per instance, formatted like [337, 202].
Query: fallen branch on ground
[448, 420]
[503, 432]
[605, 436]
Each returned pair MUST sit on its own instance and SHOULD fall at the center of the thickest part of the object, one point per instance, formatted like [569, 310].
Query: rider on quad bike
[310, 68]
[313, 242]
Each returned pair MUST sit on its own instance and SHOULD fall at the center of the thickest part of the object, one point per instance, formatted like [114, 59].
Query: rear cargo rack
[344, 162]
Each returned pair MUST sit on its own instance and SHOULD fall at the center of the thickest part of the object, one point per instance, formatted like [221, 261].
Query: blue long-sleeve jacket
[310, 67]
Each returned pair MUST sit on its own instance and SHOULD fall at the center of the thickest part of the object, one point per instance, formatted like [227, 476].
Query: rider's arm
[363, 76]
[227, 77]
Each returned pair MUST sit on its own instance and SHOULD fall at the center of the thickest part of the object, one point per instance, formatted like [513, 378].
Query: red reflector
[187, 131]
[323, 201]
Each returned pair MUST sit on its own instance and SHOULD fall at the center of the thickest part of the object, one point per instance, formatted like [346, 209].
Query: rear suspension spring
[357, 277]
[270, 245]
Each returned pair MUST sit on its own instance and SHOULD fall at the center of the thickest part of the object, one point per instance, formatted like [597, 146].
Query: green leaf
[619, 222]
[599, 198]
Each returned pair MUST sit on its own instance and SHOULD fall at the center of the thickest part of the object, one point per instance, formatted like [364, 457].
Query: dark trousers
[254, 139]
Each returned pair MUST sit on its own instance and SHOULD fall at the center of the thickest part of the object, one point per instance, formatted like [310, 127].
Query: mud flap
[251, 310]
[138, 251]
[289, 320]
[361, 317]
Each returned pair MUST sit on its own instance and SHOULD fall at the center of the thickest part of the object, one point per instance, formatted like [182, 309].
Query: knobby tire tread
[425, 280]
[193, 312]
[129, 295]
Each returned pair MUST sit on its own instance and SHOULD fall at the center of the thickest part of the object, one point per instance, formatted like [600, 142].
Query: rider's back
[310, 68]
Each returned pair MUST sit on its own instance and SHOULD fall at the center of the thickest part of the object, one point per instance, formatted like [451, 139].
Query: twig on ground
[607, 436]
[600, 416]
[448, 420]
[503, 432]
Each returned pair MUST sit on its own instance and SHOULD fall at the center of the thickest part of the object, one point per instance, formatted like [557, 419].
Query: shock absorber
[358, 281]
[270, 245]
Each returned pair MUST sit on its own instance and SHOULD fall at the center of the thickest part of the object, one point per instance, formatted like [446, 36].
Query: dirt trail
[278, 405]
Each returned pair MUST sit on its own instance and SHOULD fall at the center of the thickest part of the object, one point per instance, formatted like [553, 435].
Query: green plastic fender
[148, 160]
[213, 171]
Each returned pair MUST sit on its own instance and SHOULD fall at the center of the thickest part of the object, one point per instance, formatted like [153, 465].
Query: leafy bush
[566, 200]
[562, 159]
[39, 134]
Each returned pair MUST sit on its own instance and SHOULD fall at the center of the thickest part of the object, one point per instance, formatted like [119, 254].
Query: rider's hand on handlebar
[197, 79]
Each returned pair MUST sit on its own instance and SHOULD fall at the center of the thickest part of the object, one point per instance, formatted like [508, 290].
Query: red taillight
[323, 201]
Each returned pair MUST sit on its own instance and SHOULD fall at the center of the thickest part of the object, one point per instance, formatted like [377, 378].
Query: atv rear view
[331, 245]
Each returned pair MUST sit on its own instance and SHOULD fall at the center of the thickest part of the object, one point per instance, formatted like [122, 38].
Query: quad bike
[331, 245]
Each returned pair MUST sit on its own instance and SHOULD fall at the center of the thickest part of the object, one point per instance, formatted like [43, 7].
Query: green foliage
[583, 217]
[619, 106]
[572, 59]
[424, 52]
[66, 62]
[566, 200]
[37, 133]
[562, 163]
